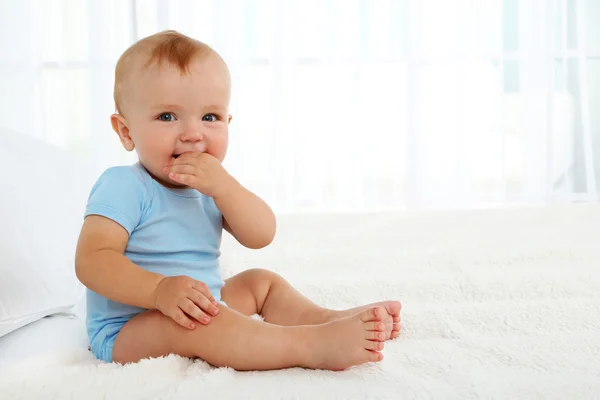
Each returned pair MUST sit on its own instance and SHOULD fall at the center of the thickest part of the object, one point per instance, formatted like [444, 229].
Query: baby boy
[149, 246]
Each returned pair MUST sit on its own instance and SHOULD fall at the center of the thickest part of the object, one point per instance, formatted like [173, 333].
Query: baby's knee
[259, 280]
[260, 275]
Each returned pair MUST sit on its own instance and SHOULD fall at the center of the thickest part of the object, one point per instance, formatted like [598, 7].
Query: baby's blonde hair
[169, 47]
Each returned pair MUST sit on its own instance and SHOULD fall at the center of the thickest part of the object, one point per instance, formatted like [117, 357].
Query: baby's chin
[173, 185]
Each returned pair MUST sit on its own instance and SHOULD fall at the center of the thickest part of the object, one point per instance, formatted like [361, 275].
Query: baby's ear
[229, 119]
[119, 124]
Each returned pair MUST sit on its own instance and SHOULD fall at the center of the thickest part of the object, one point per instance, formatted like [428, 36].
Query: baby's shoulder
[125, 179]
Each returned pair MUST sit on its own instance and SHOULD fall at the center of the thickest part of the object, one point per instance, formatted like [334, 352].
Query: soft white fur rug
[497, 304]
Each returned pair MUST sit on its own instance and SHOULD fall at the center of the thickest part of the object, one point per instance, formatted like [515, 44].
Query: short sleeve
[119, 194]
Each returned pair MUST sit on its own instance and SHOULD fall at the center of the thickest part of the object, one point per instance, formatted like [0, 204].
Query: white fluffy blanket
[497, 304]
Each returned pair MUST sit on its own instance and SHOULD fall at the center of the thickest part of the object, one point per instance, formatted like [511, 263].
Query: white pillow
[42, 199]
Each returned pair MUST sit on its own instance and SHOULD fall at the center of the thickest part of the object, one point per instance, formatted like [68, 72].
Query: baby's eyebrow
[214, 107]
[211, 107]
[165, 106]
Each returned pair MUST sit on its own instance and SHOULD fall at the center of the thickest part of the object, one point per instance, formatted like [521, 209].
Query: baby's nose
[192, 134]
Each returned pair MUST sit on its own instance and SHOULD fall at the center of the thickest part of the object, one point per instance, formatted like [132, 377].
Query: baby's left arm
[246, 216]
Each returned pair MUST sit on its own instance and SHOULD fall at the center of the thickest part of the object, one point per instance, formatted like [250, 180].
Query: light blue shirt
[171, 232]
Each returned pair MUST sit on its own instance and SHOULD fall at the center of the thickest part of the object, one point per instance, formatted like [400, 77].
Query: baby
[149, 246]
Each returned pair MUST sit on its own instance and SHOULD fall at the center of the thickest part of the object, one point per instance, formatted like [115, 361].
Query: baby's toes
[374, 356]
[395, 331]
[377, 336]
[375, 326]
[373, 345]
[372, 314]
[393, 308]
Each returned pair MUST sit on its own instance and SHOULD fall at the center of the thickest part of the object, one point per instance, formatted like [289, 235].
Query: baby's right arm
[102, 267]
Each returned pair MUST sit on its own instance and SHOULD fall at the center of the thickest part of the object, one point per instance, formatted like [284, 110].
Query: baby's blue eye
[166, 117]
[210, 118]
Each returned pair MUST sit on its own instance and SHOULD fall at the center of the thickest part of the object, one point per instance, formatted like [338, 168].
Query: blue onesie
[171, 232]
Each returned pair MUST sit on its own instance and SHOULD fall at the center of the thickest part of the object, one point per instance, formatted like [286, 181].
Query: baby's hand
[200, 171]
[180, 297]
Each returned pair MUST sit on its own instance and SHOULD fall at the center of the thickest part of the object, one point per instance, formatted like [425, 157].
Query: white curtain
[341, 104]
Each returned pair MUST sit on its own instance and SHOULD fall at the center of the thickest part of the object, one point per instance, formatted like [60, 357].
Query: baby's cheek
[218, 149]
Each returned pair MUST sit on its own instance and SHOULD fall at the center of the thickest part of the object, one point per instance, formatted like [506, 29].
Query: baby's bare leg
[259, 291]
[234, 340]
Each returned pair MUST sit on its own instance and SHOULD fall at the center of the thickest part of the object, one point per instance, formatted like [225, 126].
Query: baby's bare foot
[347, 341]
[391, 318]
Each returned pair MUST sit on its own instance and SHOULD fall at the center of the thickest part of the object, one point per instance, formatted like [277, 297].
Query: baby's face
[168, 113]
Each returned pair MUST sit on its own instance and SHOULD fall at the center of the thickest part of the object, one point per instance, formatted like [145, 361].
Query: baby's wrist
[159, 279]
[227, 189]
